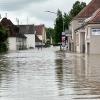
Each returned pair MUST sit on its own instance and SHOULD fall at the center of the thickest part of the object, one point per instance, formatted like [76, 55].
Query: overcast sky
[34, 10]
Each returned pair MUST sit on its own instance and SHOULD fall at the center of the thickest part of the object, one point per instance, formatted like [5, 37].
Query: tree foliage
[3, 34]
[77, 7]
[58, 27]
[3, 38]
[65, 19]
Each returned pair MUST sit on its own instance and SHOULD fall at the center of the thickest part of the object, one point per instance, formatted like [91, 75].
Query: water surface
[49, 74]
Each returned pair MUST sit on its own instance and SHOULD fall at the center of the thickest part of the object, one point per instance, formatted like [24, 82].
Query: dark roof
[89, 9]
[37, 39]
[39, 29]
[26, 29]
[13, 30]
[9, 26]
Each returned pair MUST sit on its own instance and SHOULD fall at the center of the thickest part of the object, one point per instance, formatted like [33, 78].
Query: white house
[28, 31]
[15, 40]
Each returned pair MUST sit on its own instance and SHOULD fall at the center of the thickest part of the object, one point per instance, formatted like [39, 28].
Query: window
[95, 31]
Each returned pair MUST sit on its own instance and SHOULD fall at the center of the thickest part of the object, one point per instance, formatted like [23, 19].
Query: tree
[3, 39]
[77, 7]
[3, 34]
[67, 20]
[58, 28]
[50, 34]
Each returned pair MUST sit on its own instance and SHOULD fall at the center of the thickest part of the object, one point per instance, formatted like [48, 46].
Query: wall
[94, 40]
[12, 43]
[80, 41]
[95, 45]
[74, 25]
[30, 40]
[44, 35]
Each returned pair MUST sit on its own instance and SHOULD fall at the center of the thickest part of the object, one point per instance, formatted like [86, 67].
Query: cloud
[11, 5]
[34, 10]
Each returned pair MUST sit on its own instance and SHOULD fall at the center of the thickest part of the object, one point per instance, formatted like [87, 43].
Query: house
[28, 31]
[38, 42]
[15, 40]
[82, 29]
[40, 32]
[92, 36]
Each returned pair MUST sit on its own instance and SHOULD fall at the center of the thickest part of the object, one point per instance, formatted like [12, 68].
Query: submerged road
[49, 74]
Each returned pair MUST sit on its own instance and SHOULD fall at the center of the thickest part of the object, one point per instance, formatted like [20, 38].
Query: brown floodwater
[49, 74]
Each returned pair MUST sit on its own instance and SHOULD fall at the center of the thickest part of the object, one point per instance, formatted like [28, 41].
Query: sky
[34, 11]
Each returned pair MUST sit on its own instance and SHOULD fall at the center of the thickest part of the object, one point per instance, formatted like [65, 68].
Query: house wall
[80, 41]
[93, 40]
[40, 37]
[95, 45]
[44, 35]
[74, 25]
[77, 42]
[21, 43]
[30, 40]
[12, 43]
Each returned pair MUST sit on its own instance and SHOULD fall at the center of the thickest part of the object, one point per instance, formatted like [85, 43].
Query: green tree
[77, 7]
[67, 20]
[50, 34]
[3, 39]
[58, 27]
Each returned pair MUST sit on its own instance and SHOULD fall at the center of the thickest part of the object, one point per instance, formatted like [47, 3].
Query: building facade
[29, 32]
[84, 28]
[15, 40]
[40, 32]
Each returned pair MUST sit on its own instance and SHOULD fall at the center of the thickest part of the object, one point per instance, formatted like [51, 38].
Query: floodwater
[49, 74]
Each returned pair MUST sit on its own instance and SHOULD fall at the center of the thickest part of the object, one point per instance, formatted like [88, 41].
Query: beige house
[85, 29]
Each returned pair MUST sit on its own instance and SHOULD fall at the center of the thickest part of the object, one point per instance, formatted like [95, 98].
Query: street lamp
[56, 14]
[62, 20]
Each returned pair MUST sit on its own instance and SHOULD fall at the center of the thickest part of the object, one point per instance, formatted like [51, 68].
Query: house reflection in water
[78, 76]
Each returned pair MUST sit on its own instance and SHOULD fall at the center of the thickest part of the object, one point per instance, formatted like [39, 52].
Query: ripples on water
[49, 74]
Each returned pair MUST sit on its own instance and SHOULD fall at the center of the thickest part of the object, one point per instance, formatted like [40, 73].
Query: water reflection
[79, 76]
[49, 74]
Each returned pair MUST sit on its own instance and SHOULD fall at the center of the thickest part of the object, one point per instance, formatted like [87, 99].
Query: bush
[3, 47]
[3, 39]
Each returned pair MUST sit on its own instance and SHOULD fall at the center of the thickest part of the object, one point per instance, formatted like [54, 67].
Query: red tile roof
[39, 29]
[89, 9]
[95, 17]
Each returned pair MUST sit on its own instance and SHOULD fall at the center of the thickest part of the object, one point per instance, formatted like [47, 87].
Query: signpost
[63, 39]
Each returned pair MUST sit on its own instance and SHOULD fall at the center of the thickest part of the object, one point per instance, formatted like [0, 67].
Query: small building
[41, 33]
[15, 40]
[28, 31]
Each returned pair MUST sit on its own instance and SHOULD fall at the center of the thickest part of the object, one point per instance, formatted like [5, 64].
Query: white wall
[12, 43]
[40, 37]
[30, 40]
